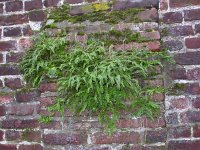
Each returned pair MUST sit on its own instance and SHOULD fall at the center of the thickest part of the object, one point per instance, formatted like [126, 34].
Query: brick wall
[180, 22]
[176, 128]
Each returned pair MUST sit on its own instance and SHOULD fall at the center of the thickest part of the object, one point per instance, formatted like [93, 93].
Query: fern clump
[95, 78]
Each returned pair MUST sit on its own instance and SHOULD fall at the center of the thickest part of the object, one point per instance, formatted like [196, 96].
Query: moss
[177, 89]
[149, 30]
[164, 32]
[51, 26]
[25, 134]
[101, 6]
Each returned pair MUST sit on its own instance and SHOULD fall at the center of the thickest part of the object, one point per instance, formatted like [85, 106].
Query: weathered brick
[38, 15]
[46, 101]
[9, 70]
[1, 60]
[14, 57]
[190, 117]
[30, 135]
[50, 3]
[189, 58]
[151, 35]
[33, 4]
[1, 135]
[6, 98]
[52, 87]
[12, 135]
[2, 110]
[180, 103]
[73, 1]
[193, 88]
[12, 32]
[14, 6]
[8, 147]
[155, 136]
[20, 109]
[193, 74]
[120, 138]
[172, 17]
[196, 102]
[197, 28]
[13, 19]
[184, 145]
[27, 96]
[156, 123]
[196, 131]
[173, 45]
[1, 8]
[179, 132]
[192, 14]
[178, 73]
[154, 45]
[192, 43]
[54, 125]
[172, 118]
[30, 147]
[19, 124]
[181, 30]
[130, 123]
[25, 43]
[7, 45]
[183, 3]
[64, 139]
[148, 15]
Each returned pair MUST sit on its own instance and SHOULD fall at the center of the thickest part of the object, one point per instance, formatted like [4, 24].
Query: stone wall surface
[173, 24]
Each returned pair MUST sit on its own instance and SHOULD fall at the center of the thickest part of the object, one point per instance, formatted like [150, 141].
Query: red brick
[183, 3]
[181, 30]
[14, 6]
[51, 87]
[14, 57]
[1, 8]
[180, 103]
[130, 123]
[8, 45]
[154, 46]
[2, 110]
[179, 132]
[73, 1]
[172, 17]
[189, 58]
[27, 96]
[192, 43]
[13, 19]
[50, 3]
[33, 4]
[155, 123]
[196, 102]
[193, 14]
[9, 70]
[12, 32]
[6, 98]
[190, 117]
[155, 136]
[1, 135]
[179, 73]
[8, 147]
[184, 145]
[119, 138]
[64, 139]
[19, 124]
[20, 109]
[27, 31]
[38, 15]
[30, 147]
[12, 135]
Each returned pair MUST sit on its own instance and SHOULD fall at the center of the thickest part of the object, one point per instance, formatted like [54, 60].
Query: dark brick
[156, 136]
[1, 8]
[193, 14]
[172, 17]
[34, 4]
[181, 31]
[37, 15]
[14, 6]
[30, 147]
[73, 1]
[27, 31]
[190, 117]
[52, 87]
[12, 135]
[50, 3]
[14, 57]
[197, 28]
[120, 138]
[196, 131]
[27, 96]
[184, 145]
[183, 3]
[64, 139]
[172, 118]
[179, 73]
[8, 147]
[192, 43]
[179, 132]
[1, 135]
[196, 103]
[193, 74]
[2, 110]
[9, 70]
[8, 45]
[193, 88]
[13, 19]
[13, 83]
[180, 103]
[173, 45]
[189, 58]
[1, 60]
[12, 31]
